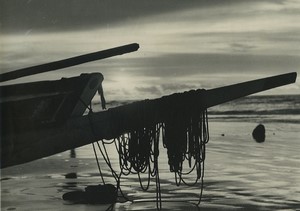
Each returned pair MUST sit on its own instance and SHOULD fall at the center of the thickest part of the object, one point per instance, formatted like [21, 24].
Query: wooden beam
[68, 62]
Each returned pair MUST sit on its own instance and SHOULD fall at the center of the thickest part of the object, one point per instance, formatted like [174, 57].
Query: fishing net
[181, 128]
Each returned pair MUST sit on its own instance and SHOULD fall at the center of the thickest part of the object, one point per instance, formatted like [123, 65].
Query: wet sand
[240, 174]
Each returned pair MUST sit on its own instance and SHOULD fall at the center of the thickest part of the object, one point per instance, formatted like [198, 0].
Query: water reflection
[72, 175]
[73, 165]
[240, 175]
[229, 183]
[72, 153]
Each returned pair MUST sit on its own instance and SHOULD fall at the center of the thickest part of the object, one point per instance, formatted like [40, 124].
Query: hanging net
[182, 128]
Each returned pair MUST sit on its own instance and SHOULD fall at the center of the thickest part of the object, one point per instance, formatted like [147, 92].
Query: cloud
[176, 65]
[165, 88]
[241, 47]
[153, 90]
[194, 43]
[177, 87]
[56, 15]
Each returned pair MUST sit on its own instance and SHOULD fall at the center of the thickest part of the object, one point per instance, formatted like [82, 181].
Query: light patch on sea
[240, 174]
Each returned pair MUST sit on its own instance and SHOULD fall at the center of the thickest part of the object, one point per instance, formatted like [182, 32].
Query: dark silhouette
[93, 194]
[68, 62]
[46, 119]
[259, 133]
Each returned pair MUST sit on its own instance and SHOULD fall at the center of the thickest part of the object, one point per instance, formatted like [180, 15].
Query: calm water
[240, 174]
[279, 108]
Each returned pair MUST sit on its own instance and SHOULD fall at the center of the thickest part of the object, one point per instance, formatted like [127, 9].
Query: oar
[68, 62]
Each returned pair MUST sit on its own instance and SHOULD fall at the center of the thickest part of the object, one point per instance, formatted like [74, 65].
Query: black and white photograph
[149, 105]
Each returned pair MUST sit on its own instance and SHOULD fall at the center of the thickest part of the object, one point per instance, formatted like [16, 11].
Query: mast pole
[68, 62]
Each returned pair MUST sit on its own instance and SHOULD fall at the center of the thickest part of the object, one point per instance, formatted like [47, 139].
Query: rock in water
[93, 194]
[71, 175]
[75, 196]
[259, 133]
[101, 194]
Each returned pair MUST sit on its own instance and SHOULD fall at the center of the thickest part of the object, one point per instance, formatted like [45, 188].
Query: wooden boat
[43, 118]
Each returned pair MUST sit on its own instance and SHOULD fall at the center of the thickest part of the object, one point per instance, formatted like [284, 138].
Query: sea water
[240, 174]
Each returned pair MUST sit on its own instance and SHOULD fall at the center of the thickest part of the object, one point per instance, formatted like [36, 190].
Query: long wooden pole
[68, 62]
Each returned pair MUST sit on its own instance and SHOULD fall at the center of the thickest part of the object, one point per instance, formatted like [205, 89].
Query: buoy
[259, 133]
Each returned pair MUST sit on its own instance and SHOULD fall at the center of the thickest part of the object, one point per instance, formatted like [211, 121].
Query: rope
[183, 132]
[102, 99]
[184, 139]
[95, 153]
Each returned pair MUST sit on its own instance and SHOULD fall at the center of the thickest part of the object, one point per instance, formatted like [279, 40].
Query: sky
[183, 45]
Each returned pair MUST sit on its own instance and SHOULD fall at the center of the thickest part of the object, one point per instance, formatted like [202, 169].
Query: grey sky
[192, 44]
[55, 15]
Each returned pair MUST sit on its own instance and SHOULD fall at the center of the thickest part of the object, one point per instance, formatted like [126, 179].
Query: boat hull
[109, 124]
